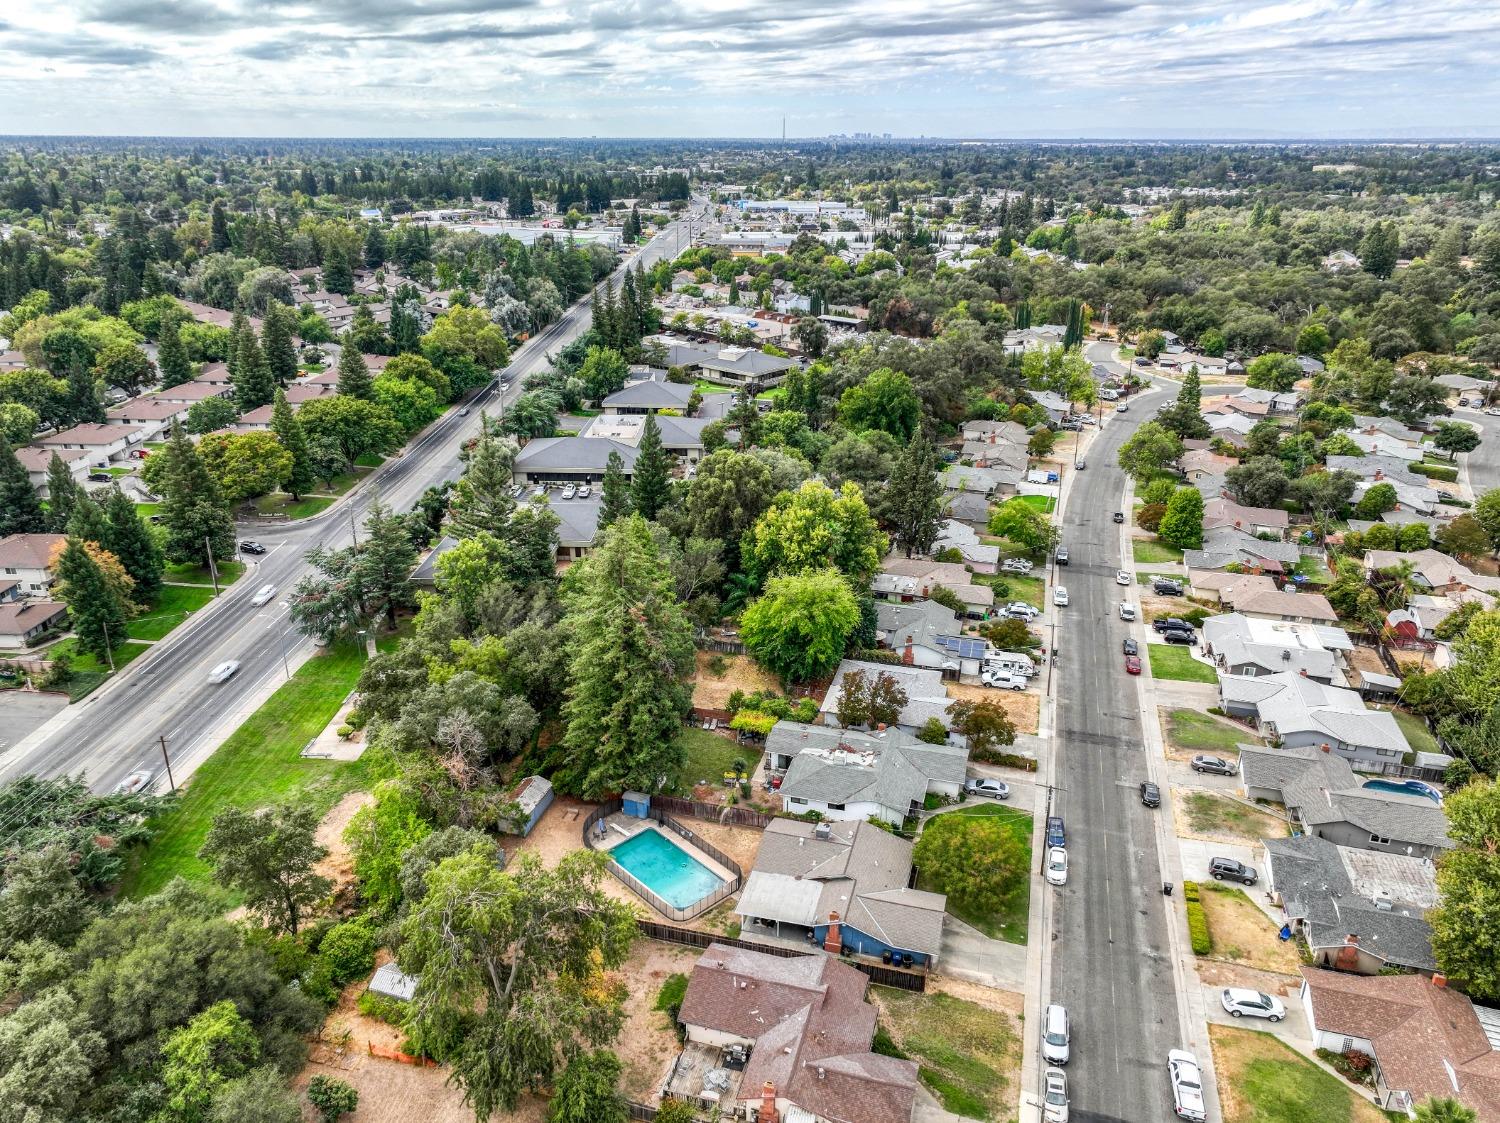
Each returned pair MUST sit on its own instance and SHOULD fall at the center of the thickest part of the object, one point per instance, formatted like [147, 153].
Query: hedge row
[1197, 920]
[1445, 472]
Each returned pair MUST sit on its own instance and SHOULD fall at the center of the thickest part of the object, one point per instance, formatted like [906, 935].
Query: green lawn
[1219, 815]
[146, 510]
[1171, 662]
[968, 1055]
[1046, 504]
[257, 765]
[89, 664]
[1203, 733]
[1150, 551]
[1009, 924]
[1013, 586]
[229, 573]
[118, 471]
[370, 460]
[1417, 734]
[1314, 568]
[1273, 1084]
[709, 756]
[171, 608]
[305, 507]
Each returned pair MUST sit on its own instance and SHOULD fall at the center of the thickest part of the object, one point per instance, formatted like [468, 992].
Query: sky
[734, 68]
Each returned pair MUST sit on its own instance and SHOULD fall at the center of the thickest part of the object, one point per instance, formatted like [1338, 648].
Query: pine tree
[172, 358]
[253, 385]
[84, 401]
[386, 558]
[650, 483]
[62, 493]
[289, 432]
[375, 246]
[915, 496]
[615, 491]
[604, 315]
[97, 611]
[628, 315]
[20, 509]
[276, 343]
[130, 539]
[482, 499]
[238, 326]
[193, 509]
[354, 375]
[87, 523]
[338, 274]
[218, 238]
[1184, 417]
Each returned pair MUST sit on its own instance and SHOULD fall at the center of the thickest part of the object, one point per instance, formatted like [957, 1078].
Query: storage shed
[390, 981]
[534, 795]
[637, 804]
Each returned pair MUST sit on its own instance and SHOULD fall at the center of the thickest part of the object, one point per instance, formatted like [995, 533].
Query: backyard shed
[636, 804]
[390, 981]
[534, 796]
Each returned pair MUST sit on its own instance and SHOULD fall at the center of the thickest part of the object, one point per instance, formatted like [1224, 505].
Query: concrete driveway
[1293, 1028]
[969, 954]
[1196, 854]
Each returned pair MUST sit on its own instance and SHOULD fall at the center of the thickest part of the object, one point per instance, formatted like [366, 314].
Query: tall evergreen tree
[632, 650]
[62, 494]
[293, 438]
[254, 385]
[338, 274]
[604, 315]
[915, 496]
[276, 342]
[97, 612]
[172, 358]
[87, 523]
[238, 326]
[354, 375]
[193, 509]
[615, 491]
[130, 539]
[218, 226]
[85, 403]
[386, 558]
[375, 246]
[20, 509]
[650, 483]
[1184, 417]
[482, 501]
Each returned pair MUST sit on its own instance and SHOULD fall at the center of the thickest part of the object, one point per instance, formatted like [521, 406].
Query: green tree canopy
[814, 528]
[885, 400]
[267, 856]
[800, 626]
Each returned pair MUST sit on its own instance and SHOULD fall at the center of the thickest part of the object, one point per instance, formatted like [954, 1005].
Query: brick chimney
[1439, 980]
[1348, 956]
[833, 943]
[1379, 474]
[906, 654]
[768, 1112]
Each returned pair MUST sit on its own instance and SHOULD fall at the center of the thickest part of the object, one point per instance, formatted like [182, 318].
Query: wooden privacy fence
[713, 812]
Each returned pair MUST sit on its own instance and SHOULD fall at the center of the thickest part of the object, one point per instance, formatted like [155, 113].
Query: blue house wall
[862, 943]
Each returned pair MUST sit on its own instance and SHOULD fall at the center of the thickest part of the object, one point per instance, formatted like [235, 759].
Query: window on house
[1377, 840]
[835, 807]
[799, 801]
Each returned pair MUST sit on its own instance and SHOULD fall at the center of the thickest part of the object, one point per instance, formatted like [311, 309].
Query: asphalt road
[166, 693]
[1484, 461]
[1111, 963]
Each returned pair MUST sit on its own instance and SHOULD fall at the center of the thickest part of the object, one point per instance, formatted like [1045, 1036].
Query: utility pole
[109, 650]
[165, 759]
[213, 570]
[353, 528]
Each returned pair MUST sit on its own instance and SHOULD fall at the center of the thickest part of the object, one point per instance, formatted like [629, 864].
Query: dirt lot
[339, 865]
[711, 692]
[1219, 974]
[390, 1092]
[1365, 659]
[1242, 934]
[647, 1044]
[1024, 707]
[1201, 814]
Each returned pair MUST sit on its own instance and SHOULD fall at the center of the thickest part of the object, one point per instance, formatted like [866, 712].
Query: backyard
[709, 756]
[968, 1048]
[1262, 1081]
[1418, 736]
[1194, 732]
[1172, 662]
[259, 763]
[1151, 551]
[1009, 921]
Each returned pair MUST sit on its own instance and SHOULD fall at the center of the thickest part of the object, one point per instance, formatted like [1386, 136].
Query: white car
[1187, 1085]
[1057, 866]
[137, 781]
[1055, 1035]
[584, 491]
[1123, 578]
[570, 491]
[1239, 1002]
[1127, 612]
[1002, 681]
[1122, 408]
[1022, 611]
[263, 595]
[1493, 411]
[224, 671]
[1055, 1097]
[1060, 597]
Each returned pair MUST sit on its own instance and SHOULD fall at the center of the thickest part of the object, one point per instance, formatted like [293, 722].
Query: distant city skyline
[1019, 69]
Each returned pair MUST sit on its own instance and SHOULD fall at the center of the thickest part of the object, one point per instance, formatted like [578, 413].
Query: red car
[1132, 664]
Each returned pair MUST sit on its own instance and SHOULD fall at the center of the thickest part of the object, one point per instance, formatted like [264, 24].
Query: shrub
[1197, 920]
[384, 1008]
[343, 732]
[717, 665]
[1196, 616]
[676, 1111]
[318, 984]
[669, 999]
[1445, 472]
[331, 1096]
[349, 950]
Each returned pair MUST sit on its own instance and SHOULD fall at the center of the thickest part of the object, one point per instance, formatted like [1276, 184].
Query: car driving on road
[252, 548]
[1132, 664]
[1150, 794]
[1130, 646]
[224, 671]
[263, 595]
[1187, 1086]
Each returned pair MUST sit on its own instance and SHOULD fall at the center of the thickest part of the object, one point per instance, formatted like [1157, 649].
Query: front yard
[1172, 662]
[1151, 551]
[1013, 586]
[172, 607]
[229, 572]
[1263, 1081]
[1009, 921]
[1212, 816]
[1192, 732]
[1242, 934]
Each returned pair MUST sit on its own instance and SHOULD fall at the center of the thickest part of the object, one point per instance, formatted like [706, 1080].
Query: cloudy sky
[972, 68]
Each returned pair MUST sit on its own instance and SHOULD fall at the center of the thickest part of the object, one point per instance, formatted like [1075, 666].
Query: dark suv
[1062, 555]
[1171, 624]
[1221, 868]
[1166, 588]
[1056, 835]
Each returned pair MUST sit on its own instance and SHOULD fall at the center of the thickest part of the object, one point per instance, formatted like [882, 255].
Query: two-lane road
[1111, 965]
[167, 693]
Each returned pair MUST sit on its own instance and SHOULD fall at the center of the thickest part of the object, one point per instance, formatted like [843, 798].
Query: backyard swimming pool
[1406, 787]
[665, 868]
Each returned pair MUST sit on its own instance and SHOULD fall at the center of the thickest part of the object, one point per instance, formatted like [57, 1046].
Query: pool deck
[621, 827]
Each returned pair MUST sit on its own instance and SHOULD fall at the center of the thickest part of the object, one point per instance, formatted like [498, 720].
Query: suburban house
[779, 1039]
[1417, 623]
[1252, 520]
[807, 874]
[1412, 491]
[1225, 546]
[1433, 571]
[565, 460]
[728, 366]
[1301, 713]
[994, 432]
[954, 535]
[648, 396]
[577, 526]
[847, 775]
[1323, 796]
[968, 507]
[152, 416]
[103, 443]
[1245, 407]
[995, 454]
[1232, 428]
[1284, 402]
[1427, 1040]
[1390, 427]
[1199, 463]
[26, 560]
[36, 461]
[1286, 605]
[1056, 406]
[213, 374]
[1359, 910]
[1378, 444]
[187, 393]
[909, 579]
[983, 482]
[425, 571]
[1225, 586]
[1037, 338]
[1242, 645]
[680, 436]
[926, 696]
[22, 623]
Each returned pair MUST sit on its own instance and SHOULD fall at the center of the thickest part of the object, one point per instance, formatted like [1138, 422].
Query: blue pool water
[667, 870]
[1406, 787]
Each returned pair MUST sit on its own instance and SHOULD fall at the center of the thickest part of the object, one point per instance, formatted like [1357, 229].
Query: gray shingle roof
[577, 453]
[648, 394]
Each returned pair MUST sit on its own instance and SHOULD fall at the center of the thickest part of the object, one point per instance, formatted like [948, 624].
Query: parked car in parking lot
[1220, 868]
[1057, 866]
[1239, 1002]
[1150, 794]
[1187, 1086]
[584, 491]
[995, 789]
[1216, 765]
[570, 491]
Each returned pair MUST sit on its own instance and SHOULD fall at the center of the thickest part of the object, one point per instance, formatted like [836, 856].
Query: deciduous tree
[800, 626]
[1148, 451]
[1182, 524]
[268, 857]
[813, 528]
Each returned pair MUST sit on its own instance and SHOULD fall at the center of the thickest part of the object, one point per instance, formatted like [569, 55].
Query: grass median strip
[260, 763]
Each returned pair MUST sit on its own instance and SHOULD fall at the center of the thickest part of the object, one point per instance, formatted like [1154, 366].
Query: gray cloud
[181, 17]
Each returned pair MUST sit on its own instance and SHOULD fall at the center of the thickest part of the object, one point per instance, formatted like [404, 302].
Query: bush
[317, 982]
[384, 1008]
[669, 999]
[1445, 472]
[349, 950]
[997, 756]
[1196, 616]
[676, 1111]
[878, 655]
[343, 732]
[1353, 1066]
[1197, 920]
[717, 665]
[331, 1096]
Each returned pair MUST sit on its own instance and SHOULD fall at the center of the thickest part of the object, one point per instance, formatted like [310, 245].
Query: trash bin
[1166, 888]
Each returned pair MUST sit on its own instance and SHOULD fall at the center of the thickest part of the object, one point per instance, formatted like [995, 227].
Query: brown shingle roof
[29, 551]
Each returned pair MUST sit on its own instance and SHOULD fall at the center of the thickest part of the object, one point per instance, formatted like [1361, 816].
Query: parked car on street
[1119, 516]
[995, 789]
[1216, 765]
[1057, 866]
[1221, 868]
[1130, 647]
[1123, 578]
[263, 595]
[1132, 664]
[224, 671]
[1122, 408]
[1187, 1086]
[1062, 555]
[1057, 834]
[1056, 1036]
[252, 548]
[1060, 597]
[1127, 612]
[1239, 1002]
[1150, 794]
[1055, 1097]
